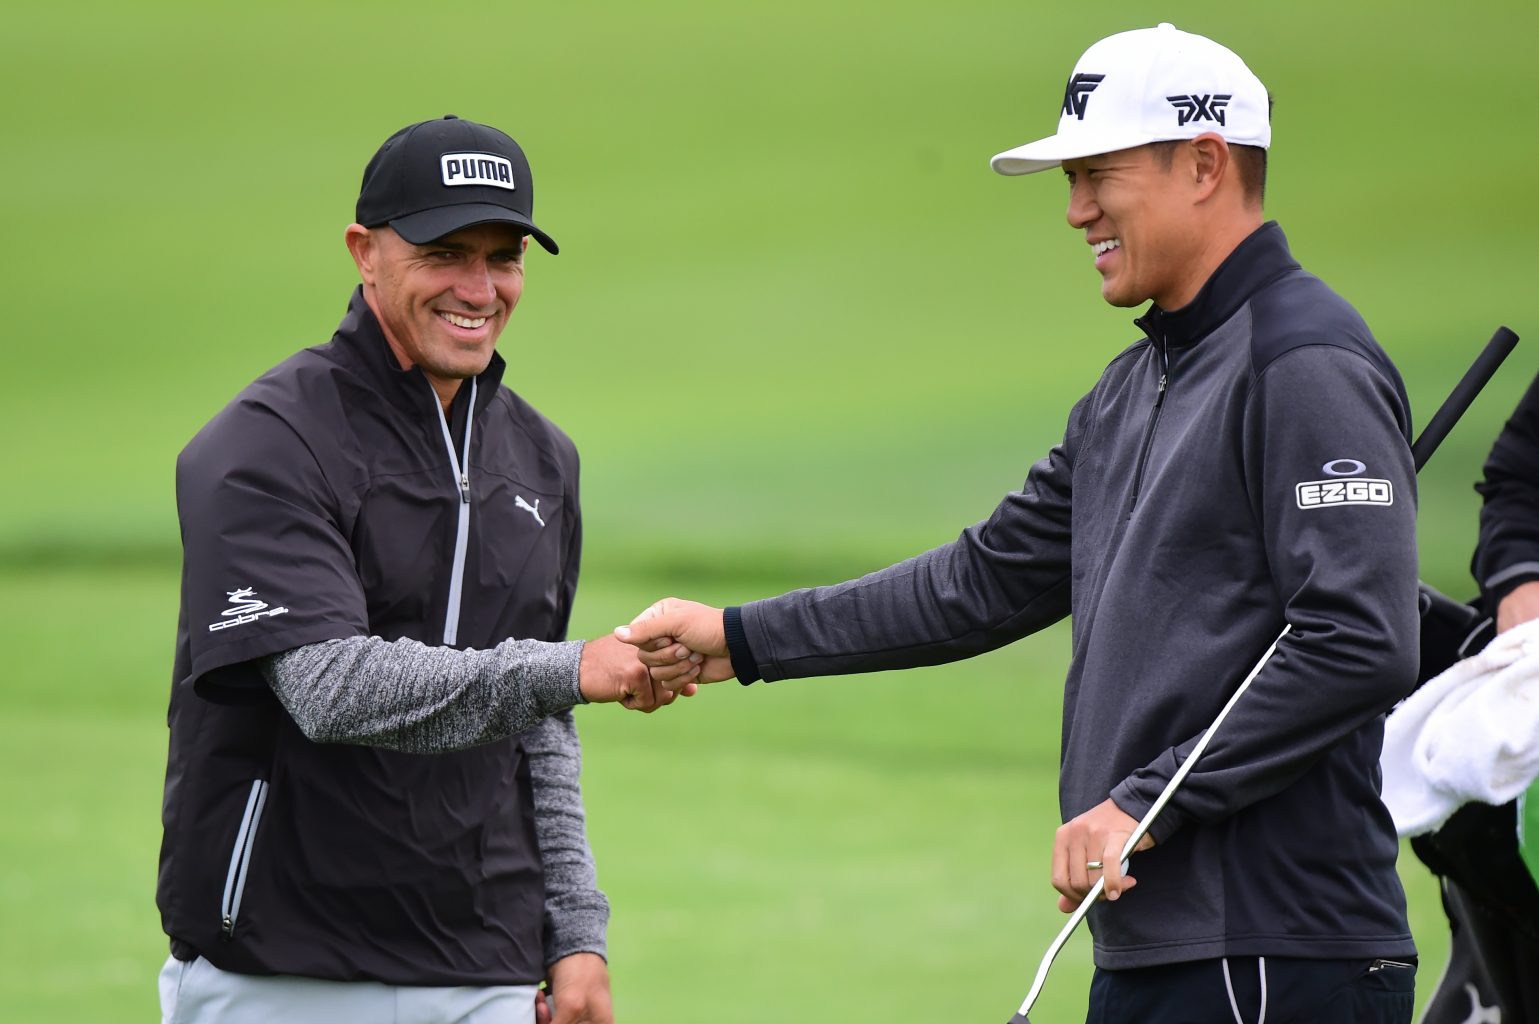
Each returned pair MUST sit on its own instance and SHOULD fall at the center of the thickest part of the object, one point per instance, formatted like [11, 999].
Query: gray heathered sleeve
[576, 911]
[404, 695]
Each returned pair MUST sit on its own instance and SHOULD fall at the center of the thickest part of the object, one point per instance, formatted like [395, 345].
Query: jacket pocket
[240, 858]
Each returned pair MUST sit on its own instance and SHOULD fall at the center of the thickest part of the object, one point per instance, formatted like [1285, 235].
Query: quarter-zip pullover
[1274, 484]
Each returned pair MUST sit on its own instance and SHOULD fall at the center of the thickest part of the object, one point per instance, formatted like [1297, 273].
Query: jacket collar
[359, 342]
[1260, 258]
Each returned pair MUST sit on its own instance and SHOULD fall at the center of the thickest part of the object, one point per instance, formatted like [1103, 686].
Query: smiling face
[1141, 216]
[444, 304]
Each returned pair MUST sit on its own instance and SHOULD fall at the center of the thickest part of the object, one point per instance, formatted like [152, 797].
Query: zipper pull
[227, 926]
[1164, 378]
[465, 486]
[1379, 965]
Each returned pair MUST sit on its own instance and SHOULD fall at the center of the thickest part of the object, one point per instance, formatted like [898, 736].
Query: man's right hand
[610, 671]
[1518, 607]
[681, 643]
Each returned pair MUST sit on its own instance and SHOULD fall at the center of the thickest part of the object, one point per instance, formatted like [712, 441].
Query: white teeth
[464, 321]
[1107, 246]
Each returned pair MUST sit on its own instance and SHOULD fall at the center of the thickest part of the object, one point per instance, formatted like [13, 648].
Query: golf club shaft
[1143, 828]
[1453, 407]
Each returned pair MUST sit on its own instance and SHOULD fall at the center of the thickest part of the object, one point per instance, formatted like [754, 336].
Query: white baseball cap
[1149, 85]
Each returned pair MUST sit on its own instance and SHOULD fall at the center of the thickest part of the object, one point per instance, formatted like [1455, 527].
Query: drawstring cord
[1229, 987]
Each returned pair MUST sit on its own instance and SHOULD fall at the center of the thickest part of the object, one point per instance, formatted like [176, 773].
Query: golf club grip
[1019, 1018]
[1497, 349]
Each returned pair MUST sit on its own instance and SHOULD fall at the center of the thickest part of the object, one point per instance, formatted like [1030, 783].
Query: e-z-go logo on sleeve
[1347, 489]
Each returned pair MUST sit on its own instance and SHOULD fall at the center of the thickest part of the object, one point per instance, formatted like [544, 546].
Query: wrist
[581, 672]
[744, 665]
[585, 969]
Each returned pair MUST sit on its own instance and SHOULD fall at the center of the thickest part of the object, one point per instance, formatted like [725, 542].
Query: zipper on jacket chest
[459, 465]
[1149, 429]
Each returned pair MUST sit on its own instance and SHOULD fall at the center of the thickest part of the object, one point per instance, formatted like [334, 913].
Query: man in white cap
[1244, 464]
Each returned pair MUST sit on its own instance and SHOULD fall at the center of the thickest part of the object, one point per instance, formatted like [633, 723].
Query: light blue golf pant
[197, 992]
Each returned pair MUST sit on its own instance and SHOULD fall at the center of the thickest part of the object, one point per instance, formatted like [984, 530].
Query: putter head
[1020, 1018]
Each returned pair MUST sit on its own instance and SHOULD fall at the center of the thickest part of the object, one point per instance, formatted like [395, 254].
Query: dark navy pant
[1297, 992]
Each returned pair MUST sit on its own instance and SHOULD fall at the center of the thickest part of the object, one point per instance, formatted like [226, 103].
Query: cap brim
[427, 225]
[1045, 154]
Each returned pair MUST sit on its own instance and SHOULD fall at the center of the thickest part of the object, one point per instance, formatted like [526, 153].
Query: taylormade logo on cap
[1149, 85]
[476, 169]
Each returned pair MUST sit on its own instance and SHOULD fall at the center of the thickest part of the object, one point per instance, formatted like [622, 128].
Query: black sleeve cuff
[1494, 595]
[744, 665]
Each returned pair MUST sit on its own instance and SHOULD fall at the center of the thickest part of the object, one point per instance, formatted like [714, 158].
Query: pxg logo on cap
[476, 169]
[1200, 108]
[1076, 95]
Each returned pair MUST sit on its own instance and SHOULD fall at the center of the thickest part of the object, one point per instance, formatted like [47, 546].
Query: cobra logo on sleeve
[244, 608]
[1348, 487]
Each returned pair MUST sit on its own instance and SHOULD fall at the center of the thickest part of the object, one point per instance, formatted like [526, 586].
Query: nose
[473, 285]
[1082, 211]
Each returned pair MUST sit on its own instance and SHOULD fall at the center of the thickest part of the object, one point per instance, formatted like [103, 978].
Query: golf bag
[1489, 895]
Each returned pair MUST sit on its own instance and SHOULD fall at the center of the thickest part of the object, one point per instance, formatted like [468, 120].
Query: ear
[364, 248]
[1210, 163]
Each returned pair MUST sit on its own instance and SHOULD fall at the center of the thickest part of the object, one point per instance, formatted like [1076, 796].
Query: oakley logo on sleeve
[1343, 467]
[476, 169]
[244, 608]
[1347, 489]
[534, 510]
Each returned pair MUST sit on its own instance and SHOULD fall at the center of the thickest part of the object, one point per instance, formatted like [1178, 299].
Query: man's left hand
[1097, 836]
[579, 986]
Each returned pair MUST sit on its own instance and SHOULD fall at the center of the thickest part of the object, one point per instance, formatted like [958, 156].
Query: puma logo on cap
[476, 169]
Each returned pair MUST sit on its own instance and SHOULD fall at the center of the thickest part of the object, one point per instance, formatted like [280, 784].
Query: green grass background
[798, 331]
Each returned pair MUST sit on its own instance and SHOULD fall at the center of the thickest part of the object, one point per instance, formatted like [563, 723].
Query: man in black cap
[372, 808]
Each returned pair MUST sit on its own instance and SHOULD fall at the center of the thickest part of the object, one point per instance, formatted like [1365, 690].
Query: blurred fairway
[798, 330]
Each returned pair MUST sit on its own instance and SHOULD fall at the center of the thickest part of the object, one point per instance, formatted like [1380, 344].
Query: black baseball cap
[433, 178]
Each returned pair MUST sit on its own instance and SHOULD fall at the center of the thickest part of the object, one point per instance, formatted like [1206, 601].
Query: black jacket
[320, 504]
[1508, 553]
[1245, 465]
